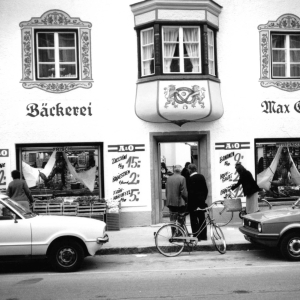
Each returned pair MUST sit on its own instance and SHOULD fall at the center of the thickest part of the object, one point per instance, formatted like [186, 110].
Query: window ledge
[178, 77]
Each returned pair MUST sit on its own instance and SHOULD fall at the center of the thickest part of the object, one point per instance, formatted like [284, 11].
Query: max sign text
[271, 107]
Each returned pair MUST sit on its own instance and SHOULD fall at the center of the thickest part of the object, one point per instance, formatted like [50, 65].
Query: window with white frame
[56, 55]
[285, 55]
[147, 51]
[181, 49]
[211, 52]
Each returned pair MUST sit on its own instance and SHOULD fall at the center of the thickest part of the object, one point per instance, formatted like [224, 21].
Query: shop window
[56, 170]
[56, 53]
[280, 53]
[278, 167]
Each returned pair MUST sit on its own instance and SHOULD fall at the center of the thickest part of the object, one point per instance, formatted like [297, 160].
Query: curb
[152, 249]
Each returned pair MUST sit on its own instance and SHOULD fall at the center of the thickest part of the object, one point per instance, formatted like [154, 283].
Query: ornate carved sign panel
[286, 24]
[57, 21]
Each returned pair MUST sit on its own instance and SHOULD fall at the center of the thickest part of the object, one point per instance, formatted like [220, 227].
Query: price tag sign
[4, 168]
[227, 155]
[127, 162]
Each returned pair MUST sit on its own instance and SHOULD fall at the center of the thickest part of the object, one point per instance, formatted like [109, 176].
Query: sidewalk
[137, 240]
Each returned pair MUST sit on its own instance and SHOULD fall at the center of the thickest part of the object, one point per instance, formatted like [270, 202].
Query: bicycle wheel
[222, 217]
[166, 242]
[217, 238]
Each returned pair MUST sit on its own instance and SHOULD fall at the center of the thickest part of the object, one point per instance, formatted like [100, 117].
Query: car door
[15, 236]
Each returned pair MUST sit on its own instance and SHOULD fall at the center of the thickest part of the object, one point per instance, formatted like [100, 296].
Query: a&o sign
[4, 168]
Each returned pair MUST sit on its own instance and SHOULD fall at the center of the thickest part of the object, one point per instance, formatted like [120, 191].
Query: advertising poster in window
[227, 155]
[278, 168]
[5, 177]
[127, 165]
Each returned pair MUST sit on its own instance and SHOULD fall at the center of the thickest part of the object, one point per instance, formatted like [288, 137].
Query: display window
[63, 174]
[278, 167]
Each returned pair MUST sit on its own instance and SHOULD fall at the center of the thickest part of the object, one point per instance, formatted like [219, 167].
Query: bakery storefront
[278, 168]
[65, 179]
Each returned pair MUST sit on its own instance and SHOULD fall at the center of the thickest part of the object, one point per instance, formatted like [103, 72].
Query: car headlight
[259, 228]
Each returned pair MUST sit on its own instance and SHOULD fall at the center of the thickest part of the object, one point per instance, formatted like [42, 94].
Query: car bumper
[265, 239]
[103, 240]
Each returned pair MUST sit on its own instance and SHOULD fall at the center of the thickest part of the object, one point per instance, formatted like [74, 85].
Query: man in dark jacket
[176, 192]
[197, 194]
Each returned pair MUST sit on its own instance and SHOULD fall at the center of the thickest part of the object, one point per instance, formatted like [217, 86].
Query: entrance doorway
[169, 150]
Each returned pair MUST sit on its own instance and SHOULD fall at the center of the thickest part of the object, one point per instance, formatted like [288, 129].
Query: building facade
[100, 88]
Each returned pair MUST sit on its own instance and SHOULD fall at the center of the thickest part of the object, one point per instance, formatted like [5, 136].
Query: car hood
[287, 214]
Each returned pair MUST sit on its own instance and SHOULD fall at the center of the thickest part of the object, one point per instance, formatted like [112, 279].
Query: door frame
[204, 163]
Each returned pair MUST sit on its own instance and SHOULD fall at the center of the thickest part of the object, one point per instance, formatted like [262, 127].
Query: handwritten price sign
[227, 155]
[4, 168]
[126, 166]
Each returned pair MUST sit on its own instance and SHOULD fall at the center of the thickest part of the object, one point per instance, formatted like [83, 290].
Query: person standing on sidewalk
[185, 172]
[176, 193]
[18, 191]
[197, 194]
[250, 188]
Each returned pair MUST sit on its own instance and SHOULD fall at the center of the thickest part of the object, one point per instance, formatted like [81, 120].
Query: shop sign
[126, 167]
[227, 155]
[4, 168]
[272, 107]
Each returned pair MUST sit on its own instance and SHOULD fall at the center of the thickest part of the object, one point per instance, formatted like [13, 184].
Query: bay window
[147, 51]
[56, 55]
[285, 55]
[181, 49]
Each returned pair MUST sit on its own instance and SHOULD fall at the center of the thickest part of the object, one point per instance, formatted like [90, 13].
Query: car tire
[290, 246]
[66, 256]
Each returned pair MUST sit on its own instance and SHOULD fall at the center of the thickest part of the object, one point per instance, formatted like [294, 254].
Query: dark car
[278, 228]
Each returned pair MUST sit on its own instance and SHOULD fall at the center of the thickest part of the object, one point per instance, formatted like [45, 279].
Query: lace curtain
[148, 51]
[170, 35]
[191, 43]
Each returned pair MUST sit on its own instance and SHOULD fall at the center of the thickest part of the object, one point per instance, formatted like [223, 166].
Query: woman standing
[250, 188]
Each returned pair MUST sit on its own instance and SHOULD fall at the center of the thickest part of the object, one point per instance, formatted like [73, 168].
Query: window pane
[190, 35]
[295, 70]
[191, 50]
[278, 41]
[148, 67]
[66, 39]
[46, 70]
[148, 52]
[279, 70]
[210, 52]
[295, 55]
[171, 34]
[211, 68]
[171, 65]
[278, 55]
[147, 37]
[46, 39]
[67, 70]
[295, 41]
[67, 55]
[191, 65]
[46, 55]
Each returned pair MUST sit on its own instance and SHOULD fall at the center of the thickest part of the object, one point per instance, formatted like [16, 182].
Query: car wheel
[290, 246]
[66, 256]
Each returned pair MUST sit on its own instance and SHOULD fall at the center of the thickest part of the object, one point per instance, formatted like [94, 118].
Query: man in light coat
[176, 193]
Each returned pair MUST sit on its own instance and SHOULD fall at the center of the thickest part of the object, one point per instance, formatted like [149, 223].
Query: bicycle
[226, 214]
[171, 238]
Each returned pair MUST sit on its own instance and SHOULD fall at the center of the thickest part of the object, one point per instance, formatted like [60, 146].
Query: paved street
[199, 275]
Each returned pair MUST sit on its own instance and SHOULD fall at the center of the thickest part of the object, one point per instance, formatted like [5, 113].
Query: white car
[64, 240]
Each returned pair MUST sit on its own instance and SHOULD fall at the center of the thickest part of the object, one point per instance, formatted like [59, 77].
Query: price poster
[4, 168]
[227, 155]
[126, 169]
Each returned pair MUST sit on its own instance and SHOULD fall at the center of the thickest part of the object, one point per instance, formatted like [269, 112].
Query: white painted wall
[114, 67]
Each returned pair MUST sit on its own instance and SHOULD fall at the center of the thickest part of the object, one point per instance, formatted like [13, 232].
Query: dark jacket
[18, 190]
[197, 192]
[186, 174]
[248, 183]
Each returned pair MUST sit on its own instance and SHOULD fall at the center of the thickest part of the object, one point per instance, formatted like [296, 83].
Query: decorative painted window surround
[56, 20]
[287, 23]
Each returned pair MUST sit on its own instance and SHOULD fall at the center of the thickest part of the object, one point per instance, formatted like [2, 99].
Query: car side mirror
[15, 218]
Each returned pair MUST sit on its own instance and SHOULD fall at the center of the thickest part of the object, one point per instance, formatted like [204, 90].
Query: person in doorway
[250, 188]
[176, 193]
[185, 172]
[197, 194]
[18, 191]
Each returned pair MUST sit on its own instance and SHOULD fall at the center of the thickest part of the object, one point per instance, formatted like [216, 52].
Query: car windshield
[26, 213]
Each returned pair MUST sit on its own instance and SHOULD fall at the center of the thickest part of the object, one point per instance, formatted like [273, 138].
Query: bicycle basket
[233, 204]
